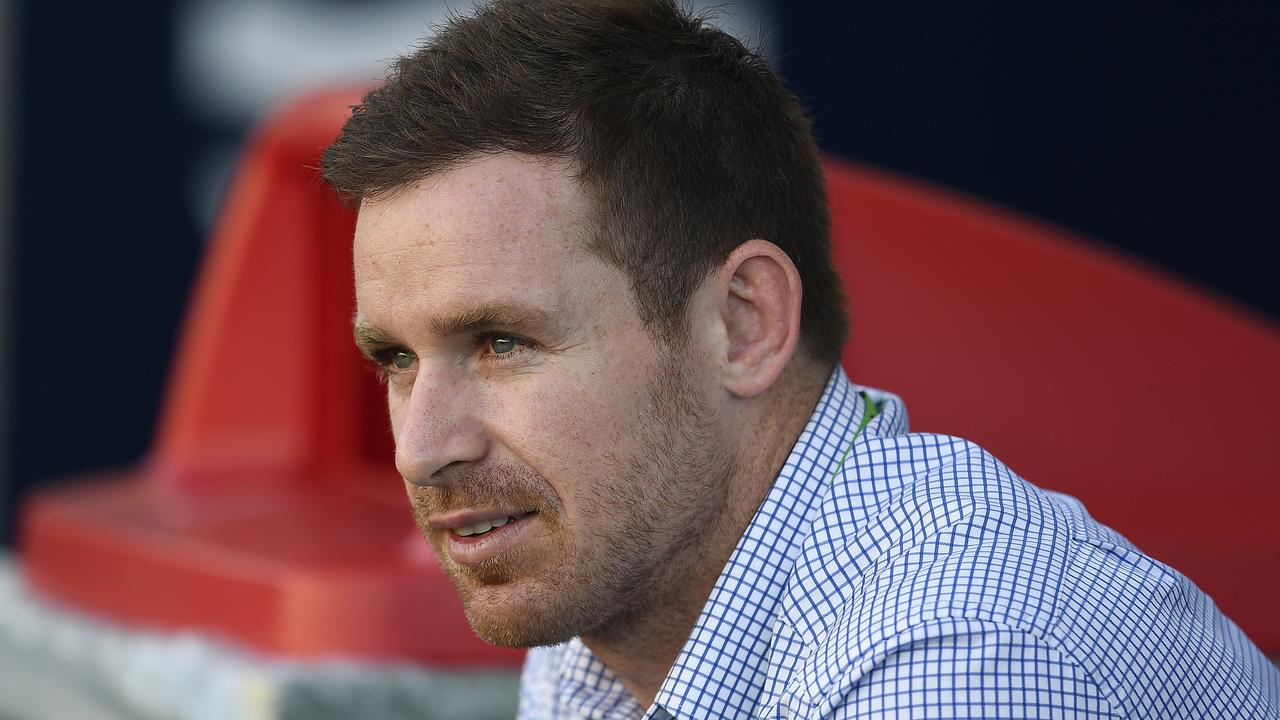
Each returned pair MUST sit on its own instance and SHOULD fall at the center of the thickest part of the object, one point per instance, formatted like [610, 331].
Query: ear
[759, 301]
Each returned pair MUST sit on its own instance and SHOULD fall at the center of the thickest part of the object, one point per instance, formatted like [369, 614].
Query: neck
[642, 653]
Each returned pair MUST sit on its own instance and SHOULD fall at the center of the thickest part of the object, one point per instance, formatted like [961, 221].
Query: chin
[508, 617]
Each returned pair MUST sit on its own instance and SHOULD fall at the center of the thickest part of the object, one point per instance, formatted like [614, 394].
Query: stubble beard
[646, 533]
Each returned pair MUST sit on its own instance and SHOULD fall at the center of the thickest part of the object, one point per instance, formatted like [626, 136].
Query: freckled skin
[619, 443]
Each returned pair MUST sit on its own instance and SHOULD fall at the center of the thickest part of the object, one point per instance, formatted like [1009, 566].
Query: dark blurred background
[1148, 127]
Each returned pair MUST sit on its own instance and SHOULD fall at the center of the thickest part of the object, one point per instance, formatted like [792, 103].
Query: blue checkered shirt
[923, 578]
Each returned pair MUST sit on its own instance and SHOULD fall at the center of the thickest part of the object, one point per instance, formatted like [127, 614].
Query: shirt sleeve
[969, 669]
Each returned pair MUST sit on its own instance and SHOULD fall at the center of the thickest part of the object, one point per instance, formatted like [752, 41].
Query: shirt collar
[589, 688]
[864, 482]
[722, 667]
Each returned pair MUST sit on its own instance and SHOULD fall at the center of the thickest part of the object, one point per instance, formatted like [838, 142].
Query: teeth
[482, 527]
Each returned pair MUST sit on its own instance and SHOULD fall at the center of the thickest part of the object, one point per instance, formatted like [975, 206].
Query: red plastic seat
[269, 511]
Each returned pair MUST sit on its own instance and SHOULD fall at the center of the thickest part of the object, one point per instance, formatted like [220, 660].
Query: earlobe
[760, 308]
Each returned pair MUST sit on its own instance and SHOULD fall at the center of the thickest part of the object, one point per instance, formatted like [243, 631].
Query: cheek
[397, 404]
[569, 421]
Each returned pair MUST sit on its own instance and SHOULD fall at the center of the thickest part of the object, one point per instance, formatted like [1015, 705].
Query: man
[592, 264]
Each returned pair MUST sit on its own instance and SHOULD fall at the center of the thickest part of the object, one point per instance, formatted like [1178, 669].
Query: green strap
[871, 412]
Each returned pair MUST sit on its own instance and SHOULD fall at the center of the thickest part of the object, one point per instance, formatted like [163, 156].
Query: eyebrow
[488, 317]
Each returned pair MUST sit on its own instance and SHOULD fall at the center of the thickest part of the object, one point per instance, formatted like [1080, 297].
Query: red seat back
[269, 510]
[1084, 370]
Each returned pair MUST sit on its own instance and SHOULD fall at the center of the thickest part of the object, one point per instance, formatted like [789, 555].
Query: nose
[436, 429]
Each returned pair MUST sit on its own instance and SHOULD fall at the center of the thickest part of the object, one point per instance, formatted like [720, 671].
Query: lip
[453, 521]
[474, 549]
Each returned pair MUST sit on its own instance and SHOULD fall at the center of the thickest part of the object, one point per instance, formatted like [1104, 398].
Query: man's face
[525, 393]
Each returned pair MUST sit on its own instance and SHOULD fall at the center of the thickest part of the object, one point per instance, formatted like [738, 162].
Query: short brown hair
[685, 141]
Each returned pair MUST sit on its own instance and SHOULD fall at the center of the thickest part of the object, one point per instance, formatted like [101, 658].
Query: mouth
[486, 526]
[484, 538]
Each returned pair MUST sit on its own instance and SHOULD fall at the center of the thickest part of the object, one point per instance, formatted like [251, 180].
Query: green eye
[502, 344]
[402, 360]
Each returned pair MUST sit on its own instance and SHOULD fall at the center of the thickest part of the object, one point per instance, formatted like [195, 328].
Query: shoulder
[963, 574]
[925, 525]
[953, 667]
[925, 537]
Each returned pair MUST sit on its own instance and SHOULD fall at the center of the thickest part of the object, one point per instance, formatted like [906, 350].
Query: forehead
[499, 228]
